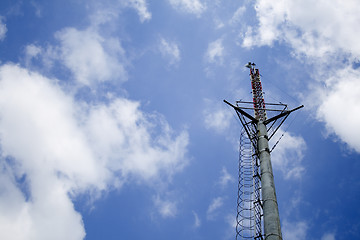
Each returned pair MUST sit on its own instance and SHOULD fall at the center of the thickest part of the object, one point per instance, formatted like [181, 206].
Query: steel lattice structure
[257, 209]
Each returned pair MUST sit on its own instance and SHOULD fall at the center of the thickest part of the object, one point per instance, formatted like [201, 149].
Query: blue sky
[112, 124]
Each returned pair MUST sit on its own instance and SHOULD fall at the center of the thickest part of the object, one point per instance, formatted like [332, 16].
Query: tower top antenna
[250, 65]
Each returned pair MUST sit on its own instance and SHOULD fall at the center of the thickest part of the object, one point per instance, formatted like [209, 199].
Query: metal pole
[272, 228]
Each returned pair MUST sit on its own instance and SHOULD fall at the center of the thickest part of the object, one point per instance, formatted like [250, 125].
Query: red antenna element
[257, 93]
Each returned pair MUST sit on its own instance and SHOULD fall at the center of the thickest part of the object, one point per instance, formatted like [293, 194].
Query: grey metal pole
[272, 228]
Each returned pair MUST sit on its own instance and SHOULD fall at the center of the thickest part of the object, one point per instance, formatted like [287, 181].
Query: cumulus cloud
[323, 35]
[337, 105]
[90, 57]
[40, 134]
[288, 154]
[48, 215]
[321, 29]
[169, 50]
[123, 134]
[54, 148]
[189, 6]
[3, 28]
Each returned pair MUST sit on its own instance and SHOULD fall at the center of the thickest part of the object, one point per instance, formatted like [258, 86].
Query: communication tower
[257, 209]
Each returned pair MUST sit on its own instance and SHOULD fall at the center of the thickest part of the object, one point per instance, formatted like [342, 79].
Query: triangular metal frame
[251, 120]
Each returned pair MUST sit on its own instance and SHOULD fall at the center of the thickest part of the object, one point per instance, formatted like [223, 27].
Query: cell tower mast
[257, 214]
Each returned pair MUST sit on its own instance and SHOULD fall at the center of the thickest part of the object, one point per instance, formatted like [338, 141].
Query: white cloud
[166, 208]
[215, 52]
[170, 50]
[328, 236]
[324, 35]
[108, 11]
[141, 7]
[294, 230]
[62, 148]
[337, 105]
[225, 178]
[217, 119]
[38, 8]
[32, 51]
[52, 217]
[189, 6]
[90, 57]
[237, 17]
[122, 133]
[215, 204]
[288, 154]
[325, 28]
[3, 28]
[39, 132]
[231, 220]
[218, 23]
[197, 222]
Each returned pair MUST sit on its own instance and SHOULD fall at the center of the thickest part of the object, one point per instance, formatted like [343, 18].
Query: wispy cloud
[215, 204]
[225, 178]
[3, 28]
[141, 7]
[237, 17]
[38, 8]
[32, 51]
[169, 50]
[166, 208]
[295, 230]
[215, 52]
[197, 222]
[328, 236]
[288, 154]
[190, 6]
[217, 119]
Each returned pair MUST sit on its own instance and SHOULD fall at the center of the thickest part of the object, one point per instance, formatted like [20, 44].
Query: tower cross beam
[242, 112]
[283, 114]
